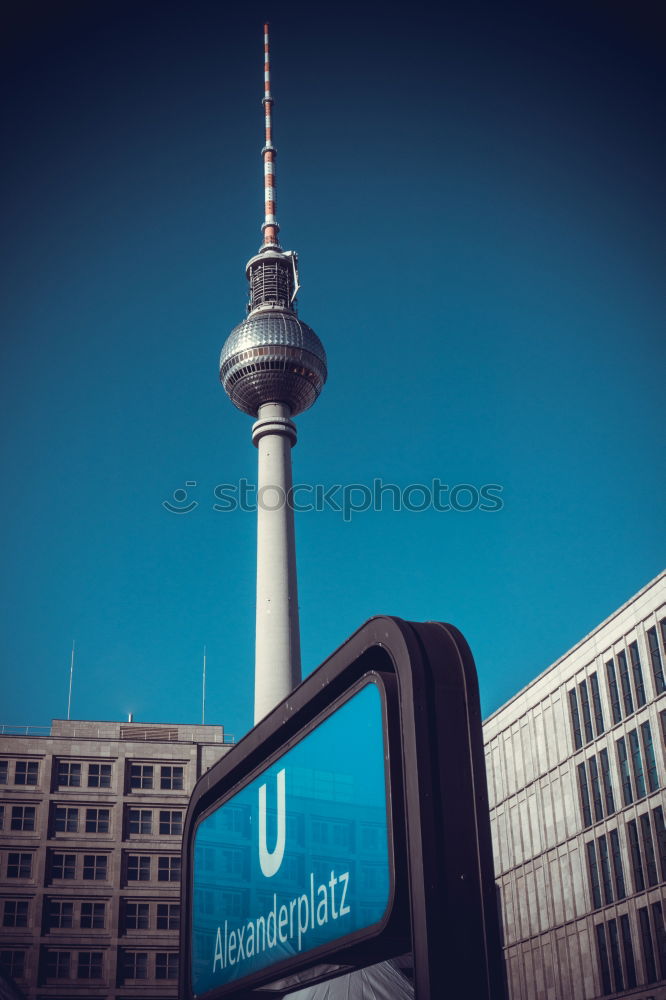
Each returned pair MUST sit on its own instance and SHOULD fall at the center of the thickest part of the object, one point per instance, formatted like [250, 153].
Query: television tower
[273, 366]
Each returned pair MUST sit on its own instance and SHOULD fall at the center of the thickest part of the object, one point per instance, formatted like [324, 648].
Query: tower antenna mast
[271, 226]
[71, 678]
[203, 690]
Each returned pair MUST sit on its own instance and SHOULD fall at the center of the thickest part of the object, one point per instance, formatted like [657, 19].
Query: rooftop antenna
[71, 676]
[203, 691]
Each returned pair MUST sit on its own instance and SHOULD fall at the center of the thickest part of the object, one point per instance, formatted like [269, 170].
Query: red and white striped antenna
[270, 228]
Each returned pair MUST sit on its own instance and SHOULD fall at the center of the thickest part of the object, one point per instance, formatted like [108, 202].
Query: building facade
[91, 820]
[576, 766]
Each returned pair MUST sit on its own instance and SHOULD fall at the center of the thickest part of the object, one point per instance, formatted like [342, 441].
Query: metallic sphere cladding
[273, 357]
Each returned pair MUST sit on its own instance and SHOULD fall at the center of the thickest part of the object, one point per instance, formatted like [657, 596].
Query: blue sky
[476, 198]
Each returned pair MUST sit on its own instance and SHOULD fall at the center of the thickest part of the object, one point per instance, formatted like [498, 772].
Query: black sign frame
[444, 903]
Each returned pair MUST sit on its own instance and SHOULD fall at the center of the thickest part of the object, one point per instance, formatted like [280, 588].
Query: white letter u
[270, 861]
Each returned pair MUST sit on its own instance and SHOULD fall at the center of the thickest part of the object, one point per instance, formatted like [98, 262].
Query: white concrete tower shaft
[278, 647]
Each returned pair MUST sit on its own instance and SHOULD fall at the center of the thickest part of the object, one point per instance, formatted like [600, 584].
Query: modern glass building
[576, 766]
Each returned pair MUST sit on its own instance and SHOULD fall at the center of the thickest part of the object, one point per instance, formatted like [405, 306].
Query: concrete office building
[91, 817]
[576, 766]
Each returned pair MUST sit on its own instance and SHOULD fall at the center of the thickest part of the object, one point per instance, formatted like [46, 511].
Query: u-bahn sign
[350, 826]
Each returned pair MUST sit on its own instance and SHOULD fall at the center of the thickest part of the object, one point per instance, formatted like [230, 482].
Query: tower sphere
[273, 357]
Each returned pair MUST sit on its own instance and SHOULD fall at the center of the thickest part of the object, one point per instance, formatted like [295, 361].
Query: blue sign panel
[299, 857]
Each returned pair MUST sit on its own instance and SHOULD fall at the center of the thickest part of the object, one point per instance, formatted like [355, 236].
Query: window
[655, 658]
[99, 775]
[23, 818]
[628, 949]
[648, 750]
[26, 772]
[615, 955]
[660, 935]
[603, 958]
[648, 947]
[604, 862]
[138, 868]
[635, 851]
[234, 820]
[342, 835]
[140, 821]
[596, 789]
[648, 849]
[575, 720]
[97, 820]
[168, 916]
[168, 869]
[19, 865]
[136, 965]
[585, 703]
[231, 861]
[319, 831]
[137, 916]
[623, 762]
[596, 704]
[15, 913]
[69, 774]
[607, 783]
[616, 708]
[618, 871]
[57, 964]
[166, 965]
[637, 764]
[370, 838]
[637, 672]
[171, 822]
[4, 768]
[94, 866]
[627, 700]
[90, 965]
[171, 777]
[141, 775]
[66, 819]
[93, 915]
[63, 866]
[61, 913]
[662, 716]
[593, 872]
[12, 962]
[2, 817]
[584, 795]
[658, 820]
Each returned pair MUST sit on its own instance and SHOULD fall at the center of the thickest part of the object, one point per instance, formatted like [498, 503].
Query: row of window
[626, 689]
[602, 856]
[595, 783]
[86, 915]
[71, 774]
[26, 772]
[615, 949]
[67, 965]
[95, 867]
[76, 819]
[604, 859]
[645, 865]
